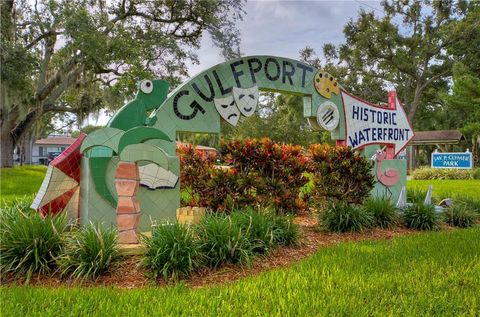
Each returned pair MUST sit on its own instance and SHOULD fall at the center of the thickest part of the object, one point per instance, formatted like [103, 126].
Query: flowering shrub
[340, 174]
[267, 174]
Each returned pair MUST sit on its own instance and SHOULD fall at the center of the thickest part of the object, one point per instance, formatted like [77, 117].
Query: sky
[283, 28]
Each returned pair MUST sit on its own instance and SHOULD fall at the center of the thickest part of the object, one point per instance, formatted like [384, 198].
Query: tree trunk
[7, 145]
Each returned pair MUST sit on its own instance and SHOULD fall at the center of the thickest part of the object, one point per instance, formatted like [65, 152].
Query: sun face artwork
[242, 101]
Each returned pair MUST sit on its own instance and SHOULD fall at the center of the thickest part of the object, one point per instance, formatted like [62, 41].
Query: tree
[408, 47]
[80, 56]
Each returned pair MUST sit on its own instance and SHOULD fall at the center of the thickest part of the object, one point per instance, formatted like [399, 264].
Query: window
[40, 151]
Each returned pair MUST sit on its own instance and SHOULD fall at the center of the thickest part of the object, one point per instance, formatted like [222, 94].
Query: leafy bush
[222, 241]
[29, 242]
[89, 252]
[344, 217]
[341, 173]
[281, 177]
[382, 210]
[460, 216]
[172, 251]
[421, 217]
[444, 173]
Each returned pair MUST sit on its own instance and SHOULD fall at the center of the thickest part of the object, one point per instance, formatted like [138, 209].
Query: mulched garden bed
[129, 275]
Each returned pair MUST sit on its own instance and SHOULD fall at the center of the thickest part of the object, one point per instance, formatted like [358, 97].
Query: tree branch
[41, 37]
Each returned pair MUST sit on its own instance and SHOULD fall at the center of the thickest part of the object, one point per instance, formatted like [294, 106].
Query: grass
[448, 188]
[408, 276]
[20, 181]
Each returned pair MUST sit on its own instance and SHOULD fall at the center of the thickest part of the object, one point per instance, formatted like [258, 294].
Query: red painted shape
[390, 176]
[69, 160]
[58, 204]
[341, 142]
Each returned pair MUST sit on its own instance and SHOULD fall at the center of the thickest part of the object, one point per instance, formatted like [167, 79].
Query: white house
[44, 150]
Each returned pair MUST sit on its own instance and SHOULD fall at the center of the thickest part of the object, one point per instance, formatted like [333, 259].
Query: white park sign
[368, 124]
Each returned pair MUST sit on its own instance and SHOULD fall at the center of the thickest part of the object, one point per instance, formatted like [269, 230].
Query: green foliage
[285, 232]
[421, 217]
[434, 274]
[444, 173]
[468, 202]
[460, 216]
[271, 175]
[266, 230]
[261, 173]
[83, 56]
[409, 46]
[415, 195]
[89, 252]
[223, 241]
[341, 174]
[29, 242]
[173, 251]
[345, 217]
[383, 211]
[258, 227]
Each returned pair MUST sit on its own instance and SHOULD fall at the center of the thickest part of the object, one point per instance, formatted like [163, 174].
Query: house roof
[437, 137]
[57, 140]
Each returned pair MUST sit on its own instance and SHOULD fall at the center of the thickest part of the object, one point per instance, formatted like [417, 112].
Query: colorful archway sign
[129, 169]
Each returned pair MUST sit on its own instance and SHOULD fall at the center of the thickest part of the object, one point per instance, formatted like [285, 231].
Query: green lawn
[446, 188]
[20, 181]
[431, 274]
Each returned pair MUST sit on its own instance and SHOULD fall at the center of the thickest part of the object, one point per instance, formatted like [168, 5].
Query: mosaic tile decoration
[61, 183]
[154, 176]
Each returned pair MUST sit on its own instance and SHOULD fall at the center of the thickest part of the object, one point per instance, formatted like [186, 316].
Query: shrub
[222, 241]
[344, 217]
[444, 173]
[421, 217]
[460, 216]
[172, 251]
[29, 243]
[89, 252]
[341, 173]
[382, 210]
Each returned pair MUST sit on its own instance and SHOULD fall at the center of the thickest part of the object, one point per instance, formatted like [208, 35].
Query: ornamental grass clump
[89, 252]
[382, 210]
[29, 242]
[259, 228]
[285, 232]
[460, 216]
[421, 217]
[345, 217]
[223, 241]
[173, 252]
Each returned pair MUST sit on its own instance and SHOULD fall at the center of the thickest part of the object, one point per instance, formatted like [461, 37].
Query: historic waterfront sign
[372, 124]
[452, 160]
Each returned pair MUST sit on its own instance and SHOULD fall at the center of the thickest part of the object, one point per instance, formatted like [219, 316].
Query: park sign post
[452, 160]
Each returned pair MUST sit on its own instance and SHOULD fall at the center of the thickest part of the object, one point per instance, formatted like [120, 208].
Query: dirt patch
[128, 274]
